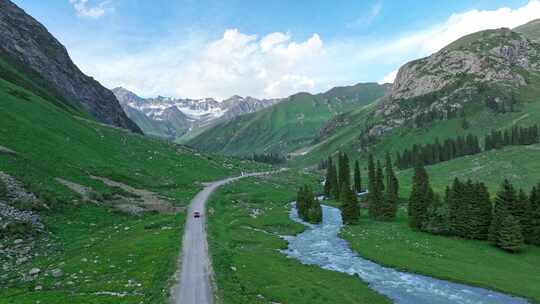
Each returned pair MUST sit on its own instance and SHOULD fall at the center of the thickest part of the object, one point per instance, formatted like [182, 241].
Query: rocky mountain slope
[180, 118]
[286, 126]
[27, 44]
[485, 67]
[531, 30]
[483, 81]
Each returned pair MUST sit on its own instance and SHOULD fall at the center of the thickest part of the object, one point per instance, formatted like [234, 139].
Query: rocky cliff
[26, 42]
[496, 61]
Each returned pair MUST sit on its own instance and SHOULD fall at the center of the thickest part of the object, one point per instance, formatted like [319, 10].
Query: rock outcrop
[28, 43]
[462, 72]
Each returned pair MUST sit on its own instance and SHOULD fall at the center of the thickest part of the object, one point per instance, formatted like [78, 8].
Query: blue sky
[196, 48]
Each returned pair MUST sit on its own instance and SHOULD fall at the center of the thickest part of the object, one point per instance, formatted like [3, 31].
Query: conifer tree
[505, 198]
[308, 207]
[372, 182]
[391, 199]
[334, 188]
[438, 221]
[456, 206]
[509, 235]
[520, 208]
[357, 178]
[420, 199]
[301, 203]
[350, 208]
[344, 170]
[328, 181]
[533, 227]
[378, 193]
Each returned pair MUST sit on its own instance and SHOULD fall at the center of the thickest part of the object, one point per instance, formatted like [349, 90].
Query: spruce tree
[520, 209]
[334, 192]
[391, 199]
[372, 181]
[377, 195]
[350, 208]
[308, 207]
[533, 228]
[357, 178]
[314, 212]
[509, 236]
[505, 198]
[344, 171]
[328, 181]
[456, 205]
[301, 203]
[438, 219]
[420, 199]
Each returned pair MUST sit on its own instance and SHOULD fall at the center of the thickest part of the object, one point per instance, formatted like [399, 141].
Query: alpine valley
[181, 119]
[424, 190]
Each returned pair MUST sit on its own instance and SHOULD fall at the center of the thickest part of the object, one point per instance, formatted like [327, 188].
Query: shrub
[3, 190]
[16, 229]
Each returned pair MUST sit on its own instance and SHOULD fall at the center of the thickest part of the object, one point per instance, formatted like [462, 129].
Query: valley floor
[471, 262]
[246, 220]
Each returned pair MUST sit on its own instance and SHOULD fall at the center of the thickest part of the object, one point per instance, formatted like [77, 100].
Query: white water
[320, 245]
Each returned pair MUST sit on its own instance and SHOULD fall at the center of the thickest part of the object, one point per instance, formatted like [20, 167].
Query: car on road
[196, 214]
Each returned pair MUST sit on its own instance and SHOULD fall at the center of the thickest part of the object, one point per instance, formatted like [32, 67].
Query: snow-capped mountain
[181, 118]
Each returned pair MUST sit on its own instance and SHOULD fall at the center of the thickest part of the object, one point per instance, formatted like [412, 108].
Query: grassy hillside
[287, 126]
[531, 30]
[106, 256]
[481, 121]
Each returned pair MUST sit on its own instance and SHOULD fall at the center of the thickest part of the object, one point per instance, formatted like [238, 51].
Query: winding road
[194, 278]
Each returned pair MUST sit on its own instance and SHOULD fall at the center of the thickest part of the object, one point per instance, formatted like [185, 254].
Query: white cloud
[367, 19]
[277, 65]
[422, 43]
[83, 9]
[273, 65]
[389, 78]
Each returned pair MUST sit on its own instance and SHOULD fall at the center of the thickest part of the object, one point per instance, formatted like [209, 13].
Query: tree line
[460, 146]
[437, 152]
[514, 136]
[509, 222]
[338, 185]
[271, 158]
[308, 206]
[382, 197]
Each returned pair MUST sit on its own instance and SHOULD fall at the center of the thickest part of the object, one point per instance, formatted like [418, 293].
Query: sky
[264, 49]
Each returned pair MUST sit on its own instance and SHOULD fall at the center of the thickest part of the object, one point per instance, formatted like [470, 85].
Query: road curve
[194, 278]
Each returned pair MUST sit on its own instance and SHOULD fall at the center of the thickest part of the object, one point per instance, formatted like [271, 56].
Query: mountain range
[178, 119]
[92, 211]
[287, 126]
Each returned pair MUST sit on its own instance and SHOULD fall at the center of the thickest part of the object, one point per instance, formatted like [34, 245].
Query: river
[321, 245]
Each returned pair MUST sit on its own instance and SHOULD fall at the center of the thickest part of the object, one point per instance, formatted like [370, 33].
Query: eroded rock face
[492, 57]
[26, 41]
[446, 80]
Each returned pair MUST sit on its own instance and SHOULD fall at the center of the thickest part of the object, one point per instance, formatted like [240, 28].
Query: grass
[518, 164]
[102, 252]
[130, 259]
[472, 262]
[515, 163]
[245, 221]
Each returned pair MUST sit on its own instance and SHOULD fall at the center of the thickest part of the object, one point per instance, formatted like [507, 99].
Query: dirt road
[194, 280]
